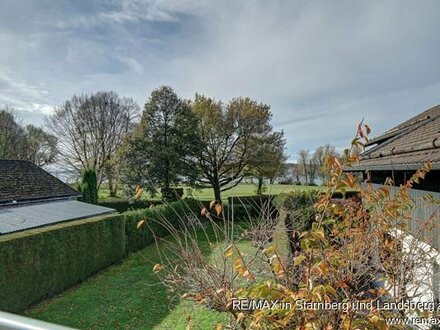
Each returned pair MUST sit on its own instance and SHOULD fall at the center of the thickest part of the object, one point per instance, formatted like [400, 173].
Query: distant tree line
[310, 164]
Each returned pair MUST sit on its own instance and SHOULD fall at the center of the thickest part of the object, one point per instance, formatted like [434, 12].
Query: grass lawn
[208, 194]
[129, 296]
[126, 296]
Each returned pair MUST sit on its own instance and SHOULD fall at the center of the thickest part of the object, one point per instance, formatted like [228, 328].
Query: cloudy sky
[321, 65]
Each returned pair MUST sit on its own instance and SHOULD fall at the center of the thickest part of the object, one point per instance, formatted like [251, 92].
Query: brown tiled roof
[406, 146]
[23, 181]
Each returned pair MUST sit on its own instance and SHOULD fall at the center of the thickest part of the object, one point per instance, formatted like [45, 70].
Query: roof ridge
[422, 117]
[419, 120]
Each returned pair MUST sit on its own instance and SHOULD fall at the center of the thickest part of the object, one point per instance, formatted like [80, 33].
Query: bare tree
[304, 158]
[41, 146]
[90, 129]
[27, 143]
[319, 157]
[13, 141]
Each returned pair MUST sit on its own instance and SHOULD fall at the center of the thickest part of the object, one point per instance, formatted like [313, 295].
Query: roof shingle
[405, 146]
[23, 181]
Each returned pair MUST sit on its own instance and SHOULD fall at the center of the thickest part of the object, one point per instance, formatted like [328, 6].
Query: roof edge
[389, 167]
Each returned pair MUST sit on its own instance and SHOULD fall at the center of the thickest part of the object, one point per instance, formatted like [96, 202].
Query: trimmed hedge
[258, 206]
[174, 213]
[298, 208]
[36, 264]
[124, 205]
[39, 263]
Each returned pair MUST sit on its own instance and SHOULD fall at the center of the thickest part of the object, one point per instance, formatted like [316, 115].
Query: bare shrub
[353, 252]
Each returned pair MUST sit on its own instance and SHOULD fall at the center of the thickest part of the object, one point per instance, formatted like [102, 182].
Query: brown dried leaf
[218, 209]
[204, 211]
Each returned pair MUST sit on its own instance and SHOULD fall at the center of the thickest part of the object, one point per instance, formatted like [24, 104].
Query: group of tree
[28, 142]
[310, 165]
[203, 142]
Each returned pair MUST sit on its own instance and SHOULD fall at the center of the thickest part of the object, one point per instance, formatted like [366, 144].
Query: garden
[191, 235]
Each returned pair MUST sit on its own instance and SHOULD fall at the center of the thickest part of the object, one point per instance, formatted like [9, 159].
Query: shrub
[89, 187]
[298, 208]
[38, 263]
[342, 251]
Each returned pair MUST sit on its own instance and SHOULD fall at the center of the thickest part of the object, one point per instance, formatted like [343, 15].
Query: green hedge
[297, 207]
[175, 213]
[124, 205]
[258, 206]
[39, 263]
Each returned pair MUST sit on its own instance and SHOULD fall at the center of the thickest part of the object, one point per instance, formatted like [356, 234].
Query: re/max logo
[255, 304]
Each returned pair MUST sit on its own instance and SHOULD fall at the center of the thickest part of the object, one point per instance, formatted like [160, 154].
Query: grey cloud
[322, 66]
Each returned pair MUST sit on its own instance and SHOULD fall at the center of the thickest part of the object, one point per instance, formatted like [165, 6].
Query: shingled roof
[406, 146]
[23, 181]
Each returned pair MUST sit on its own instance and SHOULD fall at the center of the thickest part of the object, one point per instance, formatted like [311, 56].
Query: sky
[322, 66]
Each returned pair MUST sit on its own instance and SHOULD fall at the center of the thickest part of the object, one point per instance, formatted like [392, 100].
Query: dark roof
[23, 181]
[406, 146]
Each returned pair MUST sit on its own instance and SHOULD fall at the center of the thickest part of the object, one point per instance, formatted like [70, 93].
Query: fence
[421, 212]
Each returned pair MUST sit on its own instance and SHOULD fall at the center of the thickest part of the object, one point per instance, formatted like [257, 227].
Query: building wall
[421, 213]
[426, 285]
[431, 182]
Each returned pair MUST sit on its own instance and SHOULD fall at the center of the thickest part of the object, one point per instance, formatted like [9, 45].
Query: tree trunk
[217, 193]
[260, 186]
[112, 187]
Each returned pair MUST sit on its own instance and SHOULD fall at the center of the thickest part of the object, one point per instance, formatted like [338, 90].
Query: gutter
[35, 201]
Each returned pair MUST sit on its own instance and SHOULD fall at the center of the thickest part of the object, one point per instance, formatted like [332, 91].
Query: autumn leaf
[359, 131]
[211, 204]
[367, 128]
[139, 193]
[218, 209]
[157, 268]
[140, 223]
[219, 326]
[137, 188]
[228, 251]
[323, 267]
[204, 211]
[269, 249]
[298, 260]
